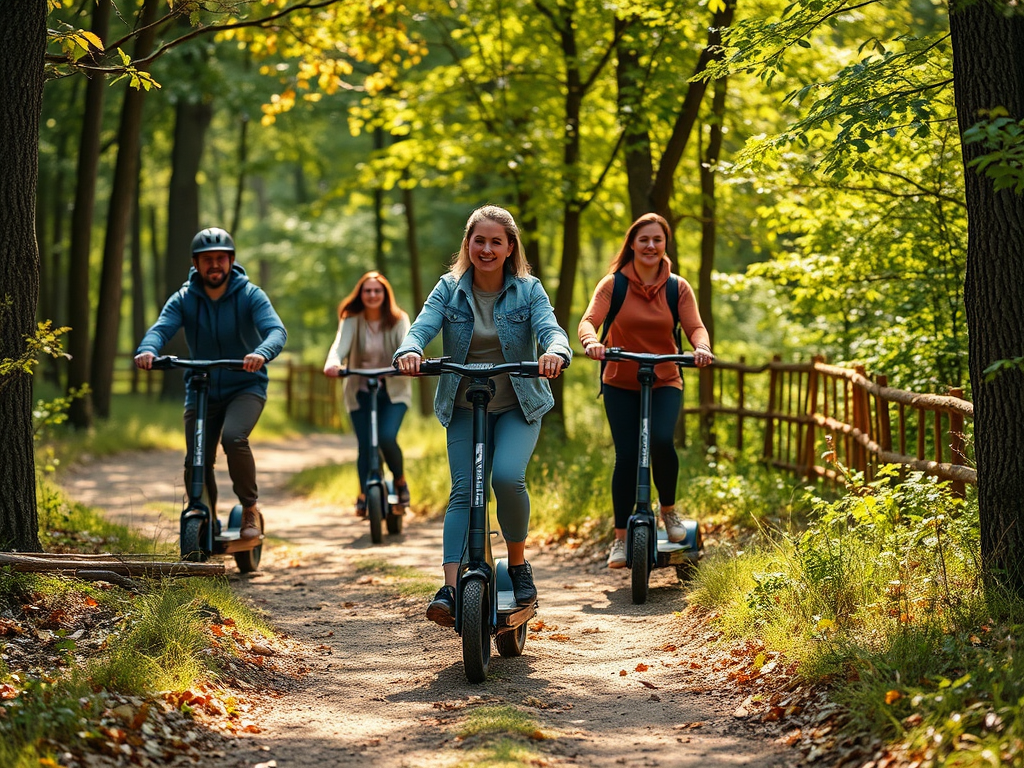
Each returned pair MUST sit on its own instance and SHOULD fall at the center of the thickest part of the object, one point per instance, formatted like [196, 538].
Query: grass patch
[406, 581]
[504, 733]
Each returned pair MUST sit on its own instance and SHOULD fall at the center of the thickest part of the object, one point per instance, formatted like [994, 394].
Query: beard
[215, 281]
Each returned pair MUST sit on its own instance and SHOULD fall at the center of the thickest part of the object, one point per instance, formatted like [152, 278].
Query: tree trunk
[138, 280]
[79, 309]
[426, 394]
[21, 103]
[191, 119]
[988, 72]
[122, 200]
[243, 156]
[709, 227]
[631, 79]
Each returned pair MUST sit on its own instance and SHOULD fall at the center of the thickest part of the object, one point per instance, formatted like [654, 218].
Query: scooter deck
[677, 553]
[231, 541]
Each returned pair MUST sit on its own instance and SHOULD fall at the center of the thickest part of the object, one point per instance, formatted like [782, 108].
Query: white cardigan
[348, 344]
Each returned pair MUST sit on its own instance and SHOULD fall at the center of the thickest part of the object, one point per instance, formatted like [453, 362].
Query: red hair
[352, 304]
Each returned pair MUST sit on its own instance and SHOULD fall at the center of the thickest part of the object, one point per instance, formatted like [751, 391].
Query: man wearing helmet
[224, 316]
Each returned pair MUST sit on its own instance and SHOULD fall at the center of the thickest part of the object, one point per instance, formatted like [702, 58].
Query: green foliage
[882, 596]
[45, 341]
[1003, 139]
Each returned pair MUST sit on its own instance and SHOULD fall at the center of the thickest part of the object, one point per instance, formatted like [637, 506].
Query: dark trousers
[622, 406]
[389, 421]
[228, 422]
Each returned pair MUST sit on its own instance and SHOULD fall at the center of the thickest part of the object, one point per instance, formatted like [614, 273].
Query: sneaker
[522, 583]
[673, 526]
[252, 523]
[361, 506]
[617, 554]
[441, 609]
[402, 490]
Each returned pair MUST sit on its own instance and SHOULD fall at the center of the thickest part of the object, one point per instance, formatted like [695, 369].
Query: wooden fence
[813, 416]
[796, 413]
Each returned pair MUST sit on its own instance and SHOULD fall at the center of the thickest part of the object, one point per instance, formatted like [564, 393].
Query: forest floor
[358, 676]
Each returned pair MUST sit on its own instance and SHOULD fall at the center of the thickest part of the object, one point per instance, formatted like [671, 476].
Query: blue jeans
[389, 421]
[511, 442]
[622, 406]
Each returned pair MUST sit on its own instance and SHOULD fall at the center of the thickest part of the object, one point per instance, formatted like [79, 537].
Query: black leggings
[622, 406]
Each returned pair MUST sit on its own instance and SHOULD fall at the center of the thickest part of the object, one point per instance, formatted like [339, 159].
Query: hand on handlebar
[253, 362]
[550, 365]
[702, 357]
[332, 371]
[409, 364]
[144, 360]
[595, 351]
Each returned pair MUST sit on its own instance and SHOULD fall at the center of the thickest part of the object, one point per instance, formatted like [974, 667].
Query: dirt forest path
[607, 682]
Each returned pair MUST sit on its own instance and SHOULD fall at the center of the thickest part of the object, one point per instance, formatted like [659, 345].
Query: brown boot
[252, 523]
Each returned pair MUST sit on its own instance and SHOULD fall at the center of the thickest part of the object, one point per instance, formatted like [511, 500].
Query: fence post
[739, 402]
[956, 429]
[769, 427]
[861, 423]
[810, 457]
[289, 389]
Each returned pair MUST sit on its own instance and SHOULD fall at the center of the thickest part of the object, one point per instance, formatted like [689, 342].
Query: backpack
[619, 295]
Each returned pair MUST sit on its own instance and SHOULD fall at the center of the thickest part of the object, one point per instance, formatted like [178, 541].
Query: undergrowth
[881, 597]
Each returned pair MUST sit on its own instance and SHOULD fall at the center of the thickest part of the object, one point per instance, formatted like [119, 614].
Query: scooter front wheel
[476, 631]
[511, 643]
[192, 538]
[375, 512]
[641, 569]
[394, 523]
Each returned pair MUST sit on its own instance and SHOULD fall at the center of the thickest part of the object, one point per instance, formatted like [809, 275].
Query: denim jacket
[524, 319]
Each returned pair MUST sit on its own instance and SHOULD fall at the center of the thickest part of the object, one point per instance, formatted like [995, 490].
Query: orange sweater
[643, 324]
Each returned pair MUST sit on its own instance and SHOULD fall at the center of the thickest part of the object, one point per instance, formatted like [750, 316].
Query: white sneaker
[673, 526]
[617, 554]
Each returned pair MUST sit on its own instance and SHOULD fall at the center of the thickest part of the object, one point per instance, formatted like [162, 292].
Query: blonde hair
[625, 254]
[515, 264]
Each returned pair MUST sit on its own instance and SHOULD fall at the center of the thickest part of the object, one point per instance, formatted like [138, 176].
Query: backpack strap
[672, 296]
[618, 296]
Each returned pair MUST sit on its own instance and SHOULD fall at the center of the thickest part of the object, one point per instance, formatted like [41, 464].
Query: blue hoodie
[240, 322]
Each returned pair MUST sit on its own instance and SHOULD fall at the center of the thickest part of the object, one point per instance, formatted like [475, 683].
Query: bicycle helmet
[212, 239]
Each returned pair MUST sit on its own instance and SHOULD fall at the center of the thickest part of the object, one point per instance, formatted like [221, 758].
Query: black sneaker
[441, 609]
[522, 583]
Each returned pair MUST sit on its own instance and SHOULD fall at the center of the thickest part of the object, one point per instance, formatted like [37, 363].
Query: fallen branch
[123, 565]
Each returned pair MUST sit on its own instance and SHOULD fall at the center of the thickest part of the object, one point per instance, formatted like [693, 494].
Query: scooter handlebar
[438, 365]
[165, 362]
[617, 353]
[368, 372]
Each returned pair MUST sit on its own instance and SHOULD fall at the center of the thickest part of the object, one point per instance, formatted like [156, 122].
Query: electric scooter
[381, 500]
[647, 547]
[485, 602]
[201, 535]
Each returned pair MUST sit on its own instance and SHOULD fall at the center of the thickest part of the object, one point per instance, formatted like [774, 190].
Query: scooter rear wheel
[511, 643]
[641, 569]
[394, 523]
[476, 631]
[192, 539]
[249, 560]
[375, 512]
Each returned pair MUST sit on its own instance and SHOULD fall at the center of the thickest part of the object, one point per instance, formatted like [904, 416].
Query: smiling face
[649, 244]
[489, 246]
[214, 267]
[372, 294]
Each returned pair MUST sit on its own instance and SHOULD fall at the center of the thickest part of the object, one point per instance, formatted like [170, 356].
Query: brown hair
[625, 254]
[352, 304]
[515, 263]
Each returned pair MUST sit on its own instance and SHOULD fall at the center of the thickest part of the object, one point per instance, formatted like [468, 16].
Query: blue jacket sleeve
[550, 335]
[168, 324]
[269, 325]
[428, 322]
